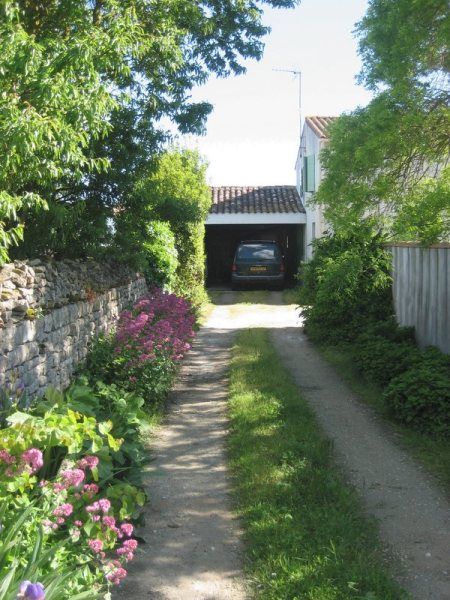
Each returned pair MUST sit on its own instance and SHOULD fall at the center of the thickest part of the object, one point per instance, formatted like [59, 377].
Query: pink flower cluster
[158, 323]
[72, 498]
[29, 461]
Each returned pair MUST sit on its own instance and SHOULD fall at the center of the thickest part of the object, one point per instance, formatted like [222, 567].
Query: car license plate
[258, 269]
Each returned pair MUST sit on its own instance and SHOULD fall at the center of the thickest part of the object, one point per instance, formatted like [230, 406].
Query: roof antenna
[296, 73]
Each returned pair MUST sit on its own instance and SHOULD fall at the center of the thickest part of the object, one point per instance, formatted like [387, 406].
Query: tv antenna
[297, 74]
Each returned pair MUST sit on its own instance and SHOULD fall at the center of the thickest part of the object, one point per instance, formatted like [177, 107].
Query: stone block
[25, 332]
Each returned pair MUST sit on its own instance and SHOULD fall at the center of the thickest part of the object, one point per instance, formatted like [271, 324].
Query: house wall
[421, 289]
[315, 222]
[50, 311]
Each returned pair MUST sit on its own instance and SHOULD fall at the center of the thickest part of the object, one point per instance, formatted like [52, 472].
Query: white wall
[315, 222]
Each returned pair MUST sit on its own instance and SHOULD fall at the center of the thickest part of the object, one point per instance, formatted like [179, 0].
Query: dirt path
[414, 517]
[193, 542]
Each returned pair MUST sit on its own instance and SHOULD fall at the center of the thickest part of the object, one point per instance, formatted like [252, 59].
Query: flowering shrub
[151, 339]
[74, 516]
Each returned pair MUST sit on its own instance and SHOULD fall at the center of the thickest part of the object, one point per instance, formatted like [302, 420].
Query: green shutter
[305, 164]
[310, 174]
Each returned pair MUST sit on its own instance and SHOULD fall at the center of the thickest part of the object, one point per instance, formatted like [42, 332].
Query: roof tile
[260, 199]
[320, 125]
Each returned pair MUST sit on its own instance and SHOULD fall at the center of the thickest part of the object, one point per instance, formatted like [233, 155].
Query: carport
[253, 213]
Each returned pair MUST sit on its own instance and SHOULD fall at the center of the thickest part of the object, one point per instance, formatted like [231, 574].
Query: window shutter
[310, 174]
[304, 174]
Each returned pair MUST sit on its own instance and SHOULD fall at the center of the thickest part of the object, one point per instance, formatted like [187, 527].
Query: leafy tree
[175, 192]
[386, 161]
[67, 65]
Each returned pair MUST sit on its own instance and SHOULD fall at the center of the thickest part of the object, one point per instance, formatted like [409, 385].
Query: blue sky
[252, 136]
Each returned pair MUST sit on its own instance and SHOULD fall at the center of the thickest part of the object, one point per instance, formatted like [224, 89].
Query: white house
[309, 175]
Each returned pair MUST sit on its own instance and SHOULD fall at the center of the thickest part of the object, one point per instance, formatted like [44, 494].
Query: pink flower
[115, 575]
[73, 477]
[126, 554]
[127, 529]
[78, 523]
[92, 508]
[88, 462]
[96, 545]
[90, 489]
[130, 545]
[33, 458]
[60, 520]
[110, 522]
[63, 510]
[104, 504]
[6, 457]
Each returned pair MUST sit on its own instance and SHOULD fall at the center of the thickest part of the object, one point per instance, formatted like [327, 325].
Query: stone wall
[49, 312]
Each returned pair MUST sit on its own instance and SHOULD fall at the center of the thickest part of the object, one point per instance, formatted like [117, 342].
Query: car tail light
[234, 267]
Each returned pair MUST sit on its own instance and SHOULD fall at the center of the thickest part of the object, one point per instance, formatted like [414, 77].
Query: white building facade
[309, 175]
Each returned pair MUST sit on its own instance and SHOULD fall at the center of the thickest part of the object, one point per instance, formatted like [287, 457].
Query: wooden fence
[422, 291]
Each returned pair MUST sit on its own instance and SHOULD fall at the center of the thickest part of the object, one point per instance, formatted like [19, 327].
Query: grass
[307, 537]
[291, 295]
[433, 453]
[252, 296]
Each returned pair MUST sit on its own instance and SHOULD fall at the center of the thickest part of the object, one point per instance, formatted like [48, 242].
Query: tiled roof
[319, 125]
[253, 200]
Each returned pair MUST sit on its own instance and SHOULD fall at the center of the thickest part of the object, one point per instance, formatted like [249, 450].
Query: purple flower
[31, 591]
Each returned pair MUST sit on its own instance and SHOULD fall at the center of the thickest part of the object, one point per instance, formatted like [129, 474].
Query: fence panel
[421, 291]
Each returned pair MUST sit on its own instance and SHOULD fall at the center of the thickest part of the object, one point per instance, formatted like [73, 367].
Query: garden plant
[70, 463]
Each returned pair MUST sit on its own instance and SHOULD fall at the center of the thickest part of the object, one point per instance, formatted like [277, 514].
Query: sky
[252, 135]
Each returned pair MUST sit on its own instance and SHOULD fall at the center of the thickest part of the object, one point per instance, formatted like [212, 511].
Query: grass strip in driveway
[306, 535]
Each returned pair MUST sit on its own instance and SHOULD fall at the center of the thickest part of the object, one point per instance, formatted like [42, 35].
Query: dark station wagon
[258, 262]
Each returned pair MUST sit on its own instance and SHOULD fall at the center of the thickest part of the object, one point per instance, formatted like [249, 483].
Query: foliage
[306, 535]
[74, 70]
[175, 192]
[69, 522]
[387, 162]
[151, 338]
[345, 286]
[161, 255]
[384, 350]
[404, 42]
[420, 397]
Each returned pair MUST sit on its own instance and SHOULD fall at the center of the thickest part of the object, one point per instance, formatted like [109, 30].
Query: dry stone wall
[49, 312]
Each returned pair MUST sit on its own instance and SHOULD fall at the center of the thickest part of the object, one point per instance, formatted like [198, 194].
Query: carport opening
[221, 242]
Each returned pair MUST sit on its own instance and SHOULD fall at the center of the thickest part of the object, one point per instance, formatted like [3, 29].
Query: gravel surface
[193, 549]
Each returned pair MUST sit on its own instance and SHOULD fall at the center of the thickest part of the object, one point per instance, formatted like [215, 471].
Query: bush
[55, 468]
[420, 397]
[175, 191]
[160, 255]
[384, 351]
[380, 360]
[346, 285]
[151, 338]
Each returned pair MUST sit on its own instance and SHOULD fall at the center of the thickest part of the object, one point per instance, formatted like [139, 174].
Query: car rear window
[258, 252]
